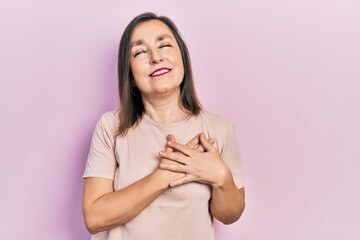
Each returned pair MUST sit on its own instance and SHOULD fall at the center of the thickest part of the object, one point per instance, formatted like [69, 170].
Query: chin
[169, 90]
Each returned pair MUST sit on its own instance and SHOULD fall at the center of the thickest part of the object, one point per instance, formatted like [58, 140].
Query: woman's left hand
[204, 167]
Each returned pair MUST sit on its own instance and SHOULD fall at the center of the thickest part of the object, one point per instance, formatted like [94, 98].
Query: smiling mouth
[160, 72]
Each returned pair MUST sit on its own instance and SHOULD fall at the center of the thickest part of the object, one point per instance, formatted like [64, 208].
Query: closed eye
[165, 45]
[139, 52]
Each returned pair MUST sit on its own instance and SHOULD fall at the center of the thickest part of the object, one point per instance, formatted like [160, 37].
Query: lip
[165, 71]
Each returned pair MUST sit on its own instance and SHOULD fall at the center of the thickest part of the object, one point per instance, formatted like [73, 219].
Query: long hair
[132, 108]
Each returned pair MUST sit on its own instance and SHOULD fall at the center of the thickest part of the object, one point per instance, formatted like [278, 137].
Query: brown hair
[132, 108]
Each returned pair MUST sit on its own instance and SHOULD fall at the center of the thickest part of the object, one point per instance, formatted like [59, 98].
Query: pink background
[286, 73]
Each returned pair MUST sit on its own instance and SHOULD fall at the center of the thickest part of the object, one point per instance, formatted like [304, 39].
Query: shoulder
[109, 121]
[215, 120]
[111, 116]
[219, 128]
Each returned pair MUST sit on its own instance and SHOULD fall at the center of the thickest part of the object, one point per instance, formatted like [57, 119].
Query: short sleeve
[231, 155]
[101, 161]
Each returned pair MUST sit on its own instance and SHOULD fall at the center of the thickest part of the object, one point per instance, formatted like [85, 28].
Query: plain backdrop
[286, 73]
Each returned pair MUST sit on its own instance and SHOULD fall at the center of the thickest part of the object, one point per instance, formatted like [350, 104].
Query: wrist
[161, 178]
[223, 178]
[165, 177]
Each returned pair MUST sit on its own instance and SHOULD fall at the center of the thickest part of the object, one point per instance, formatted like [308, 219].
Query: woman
[160, 167]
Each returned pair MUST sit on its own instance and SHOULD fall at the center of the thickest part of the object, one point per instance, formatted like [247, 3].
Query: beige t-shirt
[180, 213]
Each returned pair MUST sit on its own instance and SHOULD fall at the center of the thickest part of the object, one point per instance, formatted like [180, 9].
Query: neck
[166, 111]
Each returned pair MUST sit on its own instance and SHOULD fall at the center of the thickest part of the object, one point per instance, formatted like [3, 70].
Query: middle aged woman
[160, 167]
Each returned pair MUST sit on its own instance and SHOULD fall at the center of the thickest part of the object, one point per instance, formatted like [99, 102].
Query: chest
[137, 156]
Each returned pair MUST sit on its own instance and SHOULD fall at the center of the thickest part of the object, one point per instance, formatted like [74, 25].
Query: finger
[169, 137]
[200, 148]
[183, 180]
[194, 141]
[179, 168]
[174, 156]
[181, 148]
[208, 146]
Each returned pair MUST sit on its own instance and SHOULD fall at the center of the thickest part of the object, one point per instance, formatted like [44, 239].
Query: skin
[154, 47]
[105, 208]
[227, 202]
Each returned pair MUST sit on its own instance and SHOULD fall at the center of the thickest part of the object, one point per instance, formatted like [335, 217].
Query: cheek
[181, 68]
[133, 68]
[136, 69]
[180, 63]
[181, 73]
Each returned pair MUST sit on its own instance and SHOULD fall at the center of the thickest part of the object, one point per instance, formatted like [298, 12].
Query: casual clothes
[179, 213]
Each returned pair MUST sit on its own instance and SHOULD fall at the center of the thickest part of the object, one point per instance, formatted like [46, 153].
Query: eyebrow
[158, 39]
[162, 37]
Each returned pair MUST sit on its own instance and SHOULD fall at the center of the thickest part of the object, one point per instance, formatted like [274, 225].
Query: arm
[227, 202]
[104, 208]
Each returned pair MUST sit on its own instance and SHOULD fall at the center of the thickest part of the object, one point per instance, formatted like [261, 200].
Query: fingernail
[161, 153]
[170, 143]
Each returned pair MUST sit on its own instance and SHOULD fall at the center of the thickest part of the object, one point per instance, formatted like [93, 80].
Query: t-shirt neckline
[162, 125]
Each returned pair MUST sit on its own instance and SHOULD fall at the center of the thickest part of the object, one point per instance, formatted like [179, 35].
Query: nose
[155, 57]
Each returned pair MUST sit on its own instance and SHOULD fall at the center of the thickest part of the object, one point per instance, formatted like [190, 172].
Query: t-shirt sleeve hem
[239, 185]
[102, 174]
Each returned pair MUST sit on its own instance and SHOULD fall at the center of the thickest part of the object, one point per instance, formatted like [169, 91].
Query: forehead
[150, 30]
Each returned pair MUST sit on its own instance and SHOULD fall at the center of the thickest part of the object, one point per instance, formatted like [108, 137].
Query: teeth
[160, 72]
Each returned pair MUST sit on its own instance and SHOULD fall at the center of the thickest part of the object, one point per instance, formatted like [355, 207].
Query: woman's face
[155, 60]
